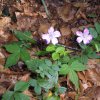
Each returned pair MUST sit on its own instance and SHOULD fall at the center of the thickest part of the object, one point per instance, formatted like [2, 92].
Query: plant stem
[68, 47]
[45, 7]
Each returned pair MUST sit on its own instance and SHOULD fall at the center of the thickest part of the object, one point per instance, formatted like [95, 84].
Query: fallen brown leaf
[4, 22]
[66, 12]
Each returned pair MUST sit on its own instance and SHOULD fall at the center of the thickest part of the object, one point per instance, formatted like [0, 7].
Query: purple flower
[51, 36]
[86, 37]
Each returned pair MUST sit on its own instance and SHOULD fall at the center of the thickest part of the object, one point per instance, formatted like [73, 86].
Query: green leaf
[97, 26]
[93, 32]
[12, 59]
[24, 36]
[33, 82]
[41, 53]
[60, 49]
[37, 90]
[62, 90]
[12, 48]
[48, 62]
[83, 46]
[93, 55]
[77, 66]
[97, 46]
[21, 86]
[50, 48]
[24, 54]
[44, 83]
[8, 95]
[64, 70]
[33, 64]
[74, 78]
[52, 98]
[65, 59]
[92, 15]
[20, 96]
[55, 56]
[83, 59]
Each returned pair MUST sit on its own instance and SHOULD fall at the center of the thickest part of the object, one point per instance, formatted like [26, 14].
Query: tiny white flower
[86, 37]
[51, 36]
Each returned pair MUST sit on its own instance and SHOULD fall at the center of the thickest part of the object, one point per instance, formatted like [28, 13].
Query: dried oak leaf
[26, 22]
[97, 93]
[93, 76]
[2, 58]
[81, 4]
[6, 36]
[92, 63]
[25, 78]
[66, 35]
[72, 95]
[4, 22]
[27, 92]
[66, 12]
[84, 84]
[44, 27]
[2, 90]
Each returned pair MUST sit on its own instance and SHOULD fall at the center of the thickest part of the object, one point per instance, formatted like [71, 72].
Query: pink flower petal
[79, 39]
[89, 37]
[47, 41]
[54, 41]
[86, 41]
[45, 36]
[57, 34]
[51, 30]
[86, 31]
[79, 33]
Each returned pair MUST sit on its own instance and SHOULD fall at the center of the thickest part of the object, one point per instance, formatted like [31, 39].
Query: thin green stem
[46, 9]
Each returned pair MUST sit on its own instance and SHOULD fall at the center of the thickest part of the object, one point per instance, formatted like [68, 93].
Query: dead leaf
[4, 22]
[81, 4]
[2, 58]
[66, 12]
[27, 92]
[66, 31]
[84, 98]
[26, 22]
[97, 93]
[92, 63]
[93, 76]
[2, 90]
[44, 27]
[71, 95]
[25, 78]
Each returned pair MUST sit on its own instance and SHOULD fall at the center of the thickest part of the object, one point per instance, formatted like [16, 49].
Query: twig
[44, 4]
[13, 73]
[68, 47]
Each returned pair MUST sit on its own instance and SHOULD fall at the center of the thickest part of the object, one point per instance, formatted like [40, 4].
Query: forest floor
[67, 16]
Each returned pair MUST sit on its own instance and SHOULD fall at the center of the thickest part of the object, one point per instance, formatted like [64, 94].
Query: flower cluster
[51, 36]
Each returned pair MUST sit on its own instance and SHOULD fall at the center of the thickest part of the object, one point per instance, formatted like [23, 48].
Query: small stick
[13, 73]
[68, 47]
[44, 4]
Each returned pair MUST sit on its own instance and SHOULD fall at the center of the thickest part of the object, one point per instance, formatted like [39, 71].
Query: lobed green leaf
[21, 96]
[8, 95]
[77, 66]
[74, 78]
[12, 59]
[93, 32]
[64, 70]
[24, 36]
[21, 86]
[97, 26]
